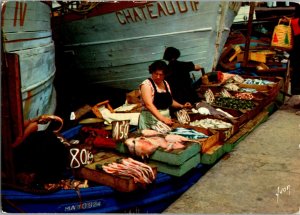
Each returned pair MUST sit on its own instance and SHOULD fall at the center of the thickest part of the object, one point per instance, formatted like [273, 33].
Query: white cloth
[109, 116]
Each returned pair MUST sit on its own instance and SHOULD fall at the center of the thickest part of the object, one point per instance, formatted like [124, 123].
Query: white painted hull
[114, 49]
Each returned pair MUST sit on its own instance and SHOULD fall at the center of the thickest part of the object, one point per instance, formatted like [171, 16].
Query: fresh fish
[188, 133]
[160, 141]
[257, 81]
[204, 111]
[140, 172]
[232, 87]
[183, 117]
[227, 114]
[173, 138]
[209, 96]
[140, 146]
[161, 127]
[149, 132]
[211, 123]
[225, 93]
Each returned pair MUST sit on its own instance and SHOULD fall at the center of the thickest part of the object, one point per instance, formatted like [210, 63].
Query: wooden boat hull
[103, 199]
[114, 44]
[27, 35]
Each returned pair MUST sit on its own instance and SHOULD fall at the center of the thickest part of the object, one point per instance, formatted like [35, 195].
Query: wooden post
[11, 113]
[247, 44]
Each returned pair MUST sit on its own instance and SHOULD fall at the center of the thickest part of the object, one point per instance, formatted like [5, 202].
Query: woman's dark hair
[171, 53]
[158, 65]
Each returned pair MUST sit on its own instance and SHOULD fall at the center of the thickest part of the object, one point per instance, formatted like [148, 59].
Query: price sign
[80, 157]
[120, 129]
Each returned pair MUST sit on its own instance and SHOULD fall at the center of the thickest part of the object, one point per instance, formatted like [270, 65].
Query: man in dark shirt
[179, 78]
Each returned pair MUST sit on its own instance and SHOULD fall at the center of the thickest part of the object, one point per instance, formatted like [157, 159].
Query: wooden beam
[11, 113]
[247, 44]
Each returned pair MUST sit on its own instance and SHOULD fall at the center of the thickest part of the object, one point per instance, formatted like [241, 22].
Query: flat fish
[141, 146]
[188, 133]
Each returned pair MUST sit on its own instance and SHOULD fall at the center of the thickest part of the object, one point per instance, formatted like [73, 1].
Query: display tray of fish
[144, 146]
[234, 103]
[118, 171]
[240, 93]
[213, 136]
[189, 133]
[255, 96]
[144, 143]
[216, 124]
[204, 109]
[261, 83]
[224, 126]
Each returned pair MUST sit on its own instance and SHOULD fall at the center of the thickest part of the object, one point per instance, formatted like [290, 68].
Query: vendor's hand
[187, 105]
[167, 121]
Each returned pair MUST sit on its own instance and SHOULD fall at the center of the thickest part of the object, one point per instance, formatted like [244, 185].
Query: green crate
[210, 158]
[176, 170]
[175, 157]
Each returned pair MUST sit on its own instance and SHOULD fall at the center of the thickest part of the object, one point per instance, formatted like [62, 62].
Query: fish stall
[118, 168]
[105, 164]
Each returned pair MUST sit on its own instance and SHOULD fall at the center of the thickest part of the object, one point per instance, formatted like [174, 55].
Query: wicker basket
[282, 35]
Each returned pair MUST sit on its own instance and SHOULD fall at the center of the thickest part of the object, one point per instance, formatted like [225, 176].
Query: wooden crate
[120, 183]
[263, 88]
[245, 130]
[212, 155]
[240, 135]
[240, 116]
[176, 157]
[225, 133]
[205, 143]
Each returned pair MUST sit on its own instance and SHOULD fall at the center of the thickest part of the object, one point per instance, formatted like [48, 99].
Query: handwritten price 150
[120, 130]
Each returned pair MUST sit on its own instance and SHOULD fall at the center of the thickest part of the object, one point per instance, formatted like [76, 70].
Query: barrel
[26, 32]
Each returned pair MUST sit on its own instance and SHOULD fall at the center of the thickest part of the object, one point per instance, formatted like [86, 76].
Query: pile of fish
[151, 140]
[211, 123]
[232, 87]
[189, 133]
[209, 96]
[236, 104]
[183, 117]
[145, 146]
[244, 95]
[257, 81]
[140, 172]
[225, 93]
[248, 90]
[161, 127]
[206, 109]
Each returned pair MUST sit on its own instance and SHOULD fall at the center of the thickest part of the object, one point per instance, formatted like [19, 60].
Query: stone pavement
[261, 175]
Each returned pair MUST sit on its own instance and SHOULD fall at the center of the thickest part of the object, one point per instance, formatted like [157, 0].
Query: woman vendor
[156, 97]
